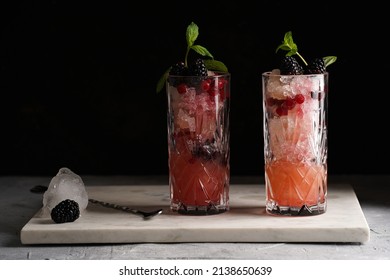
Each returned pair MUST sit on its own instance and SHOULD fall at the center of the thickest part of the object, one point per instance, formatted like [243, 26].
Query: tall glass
[198, 143]
[295, 143]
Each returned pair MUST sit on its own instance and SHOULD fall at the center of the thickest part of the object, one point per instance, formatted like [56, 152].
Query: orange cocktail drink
[295, 184]
[295, 143]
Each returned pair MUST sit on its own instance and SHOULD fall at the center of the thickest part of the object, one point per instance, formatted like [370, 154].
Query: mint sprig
[292, 49]
[192, 34]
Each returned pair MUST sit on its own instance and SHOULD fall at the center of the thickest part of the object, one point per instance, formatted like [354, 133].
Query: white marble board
[246, 221]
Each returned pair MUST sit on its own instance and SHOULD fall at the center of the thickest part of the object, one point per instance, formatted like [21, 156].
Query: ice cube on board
[65, 185]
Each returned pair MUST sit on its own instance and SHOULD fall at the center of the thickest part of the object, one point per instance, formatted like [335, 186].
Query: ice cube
[65, 185]
[291, 136]
[185, 121]
[279, 87]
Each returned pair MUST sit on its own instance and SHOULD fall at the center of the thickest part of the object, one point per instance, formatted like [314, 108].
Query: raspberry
[65, 212]
[205, 85]
[182, 88]
[299, 98]
[281, 111]
[289, 104]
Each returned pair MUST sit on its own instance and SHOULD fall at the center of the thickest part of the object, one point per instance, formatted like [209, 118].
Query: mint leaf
[201, 50]
[192, 34]
[161, 82]
[328, 60]
[288, 44]
[215, 65]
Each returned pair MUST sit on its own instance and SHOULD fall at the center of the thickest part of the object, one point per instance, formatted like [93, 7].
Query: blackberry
[65, 212]
[206, 151]
[198, 68]
[290, 66]
[178, 69]
[316, 66]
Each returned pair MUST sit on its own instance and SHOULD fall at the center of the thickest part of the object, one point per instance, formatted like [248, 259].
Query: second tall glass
[198, 143]
[295, 143]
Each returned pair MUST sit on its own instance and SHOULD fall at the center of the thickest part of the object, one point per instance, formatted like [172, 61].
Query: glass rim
[270, 74]
[216, 75]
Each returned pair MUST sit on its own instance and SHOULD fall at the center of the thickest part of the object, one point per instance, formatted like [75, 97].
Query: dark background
[78, 80]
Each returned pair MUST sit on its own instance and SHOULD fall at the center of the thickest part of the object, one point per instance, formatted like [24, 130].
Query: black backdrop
[78, 80]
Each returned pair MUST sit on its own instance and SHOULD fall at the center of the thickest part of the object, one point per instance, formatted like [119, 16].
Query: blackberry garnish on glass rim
[199, 67]
[316, 66]
[288, 66]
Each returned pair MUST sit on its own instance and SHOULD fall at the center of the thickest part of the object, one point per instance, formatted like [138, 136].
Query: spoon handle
[115, 206]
